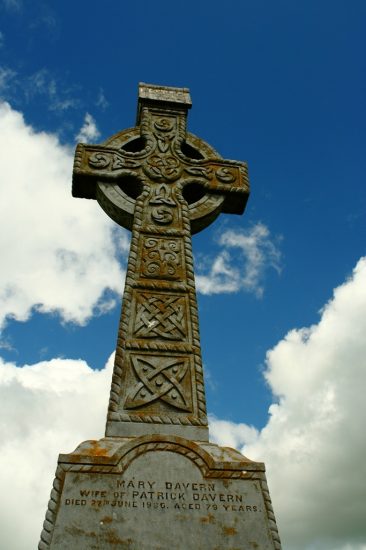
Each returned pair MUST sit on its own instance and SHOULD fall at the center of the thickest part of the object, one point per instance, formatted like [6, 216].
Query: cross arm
[226, 177]
[93, 163]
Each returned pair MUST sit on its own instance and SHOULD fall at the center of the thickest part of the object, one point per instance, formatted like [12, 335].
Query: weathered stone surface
[154, 481]
[158, 492]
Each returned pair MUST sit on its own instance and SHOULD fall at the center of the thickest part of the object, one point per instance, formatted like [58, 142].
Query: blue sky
[280, 85]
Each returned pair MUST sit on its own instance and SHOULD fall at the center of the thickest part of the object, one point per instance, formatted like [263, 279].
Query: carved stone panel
[158, 383]
[162, 215]
[162, 167]
[160, 316]
[162, 258]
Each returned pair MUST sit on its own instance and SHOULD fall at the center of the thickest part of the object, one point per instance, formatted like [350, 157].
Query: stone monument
[155, 481]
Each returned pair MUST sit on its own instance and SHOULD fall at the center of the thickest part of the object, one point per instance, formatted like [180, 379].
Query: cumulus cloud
[314, 444]
[230, 434]
[58, 254]
[242, 263]
[89, 131]
[50, 407]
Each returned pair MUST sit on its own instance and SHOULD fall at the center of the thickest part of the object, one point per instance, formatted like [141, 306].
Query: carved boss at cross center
[164, 184]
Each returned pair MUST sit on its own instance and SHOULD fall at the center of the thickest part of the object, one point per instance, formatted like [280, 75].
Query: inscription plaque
[162, 482]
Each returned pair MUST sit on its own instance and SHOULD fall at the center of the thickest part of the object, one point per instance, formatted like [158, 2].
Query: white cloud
[14, 5]
[89, 131]
[102, 100]
[7, 77]
[242, 263]
[17, 89]
[58, 254]
[49, 407]
[43, 83]
[314, 444]
[230, 434]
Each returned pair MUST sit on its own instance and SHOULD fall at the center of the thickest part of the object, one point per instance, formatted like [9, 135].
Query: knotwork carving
[200, 171]
[163, 144]
[225, 175]
[162, 195]
[164, 134]
[159, 378]
[162, 215]
[160, 316]
[164, 167]
[164, 124]
[110, 161]
[161, 258]
[99, 160]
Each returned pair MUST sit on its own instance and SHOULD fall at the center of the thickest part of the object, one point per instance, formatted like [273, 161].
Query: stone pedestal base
[158, 492]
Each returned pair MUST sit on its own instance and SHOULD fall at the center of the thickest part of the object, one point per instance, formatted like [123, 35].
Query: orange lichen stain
[113, 538]
[76, 531]
[97, 450]
[106, 519]
[208, 519]
[230, 531]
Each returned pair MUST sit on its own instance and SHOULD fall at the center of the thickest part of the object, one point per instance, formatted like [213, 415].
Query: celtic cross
[164, 184]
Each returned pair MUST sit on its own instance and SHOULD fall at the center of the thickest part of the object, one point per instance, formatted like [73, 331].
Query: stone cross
[155, 481]
[164, 184]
